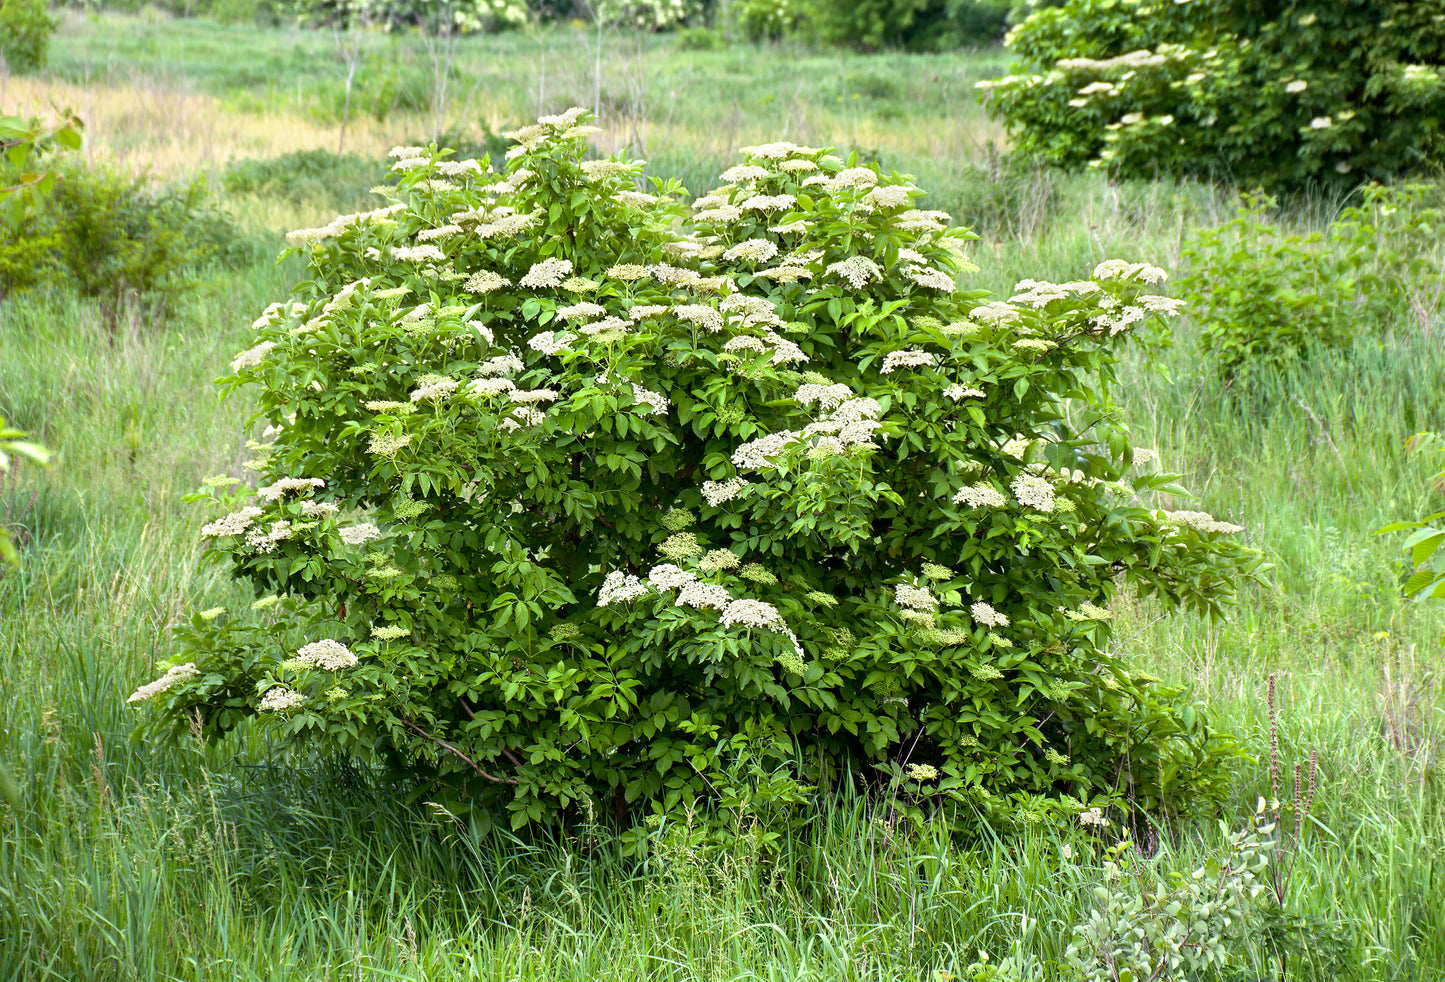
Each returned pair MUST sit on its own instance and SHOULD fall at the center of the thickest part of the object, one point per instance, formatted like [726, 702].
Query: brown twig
[467, 760]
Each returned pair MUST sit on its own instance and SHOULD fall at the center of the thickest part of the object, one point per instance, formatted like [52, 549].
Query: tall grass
[127, 860]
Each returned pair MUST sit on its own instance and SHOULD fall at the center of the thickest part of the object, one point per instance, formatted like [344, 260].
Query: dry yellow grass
[163, 126]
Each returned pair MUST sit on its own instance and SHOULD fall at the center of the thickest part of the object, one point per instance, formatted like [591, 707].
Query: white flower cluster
[753, 250]
[859, 271]
[855, 177]
[752, 613]
[889, 196]
[1200, 521]
[1119, 269]
[1033, 492]
[987, 616]
[744, 173]
[440, 232]
[327, 655]
[547, 273]
[278, 699]
[769, 202]
[828, 397]
[655, 402]
[251, 357]
[508, 364]
[956, 392]
[177, 674]
[487, 387]
[550, 342]
[318, 509]
[580, 311]
[667, 576]
[703, 596]
[700, 314]
[533, 396]
[1088, 612]
[434, 388]
[233, 524]
[418, 254]
[756, 455]
[485, 281]
[278, 490]
[619, 587]
[908, 358]
[980, 496]
[360, 533]
[718, 492]
[265, 539]
[915, 598]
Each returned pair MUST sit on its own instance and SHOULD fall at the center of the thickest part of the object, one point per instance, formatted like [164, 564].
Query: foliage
[462, 16]
[766, 20]
[1156, 923]
[1263, 94]
[25, 31]
[645, 15]
[561, 517]
[336, 180]
[1263, 298]
[1426, 561]
[112, 235]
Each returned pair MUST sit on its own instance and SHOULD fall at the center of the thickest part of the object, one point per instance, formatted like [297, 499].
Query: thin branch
[467, 760]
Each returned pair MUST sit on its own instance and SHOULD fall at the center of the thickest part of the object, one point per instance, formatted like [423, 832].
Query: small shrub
[114, 236]
[1263, 298]
[575, 500]
[25, 31]
[1302, 93]
[766, 20]
[340, 181]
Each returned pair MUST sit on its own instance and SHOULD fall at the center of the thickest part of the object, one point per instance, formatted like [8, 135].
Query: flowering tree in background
[572, 498]
[1259, 93]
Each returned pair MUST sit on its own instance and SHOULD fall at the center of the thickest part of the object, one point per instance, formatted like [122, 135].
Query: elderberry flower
[508, 364]
[389, 632]
[933, 571]
[718, 559]
[279, 698]
[387, 444]
[677, 519]
[620, 587]
[433, 388]
[655, 402]
[1033, 492]
[492, 386]
[627, 272]
[441, 232]
[758, 454]
[828, 397]
[987, 616]
[752, 613]
[908, 358]
[251, 357]
[701, 315]
[547, 273]
[753, 250]
[915, 598]
[680, 546]
[418, 254]
[1200, 521]
[716, 492]
[274, 492]
[580, 311]
[855, 177]
[702, 595]
[551, 342]
[758, 573]
[957, 392]
[327, 655]
[485, 281]
[360, 533]
[922, 772]
[859, 271]
[667, 576]
[177, 674]
[235, 523]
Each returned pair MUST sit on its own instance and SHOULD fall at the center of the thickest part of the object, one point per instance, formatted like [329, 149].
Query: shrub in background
[1262, 297]
[114, 236]
[25, 30]
[563, 509]
[910, 24]
[1263, 94]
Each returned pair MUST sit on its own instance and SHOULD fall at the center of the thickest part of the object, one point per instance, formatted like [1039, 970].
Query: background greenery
[237, 862]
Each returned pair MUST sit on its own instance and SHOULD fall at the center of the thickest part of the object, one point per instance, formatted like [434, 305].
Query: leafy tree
[1262, 93]
[571, 500]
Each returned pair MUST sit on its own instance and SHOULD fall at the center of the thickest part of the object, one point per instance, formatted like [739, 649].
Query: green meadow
[129, 860]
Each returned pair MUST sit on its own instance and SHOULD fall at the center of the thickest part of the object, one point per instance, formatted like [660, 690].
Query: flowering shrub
[1262, 297]
[1274, 95]
[570, 496]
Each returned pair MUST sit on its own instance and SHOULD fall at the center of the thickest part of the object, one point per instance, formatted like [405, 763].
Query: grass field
[239, 861]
